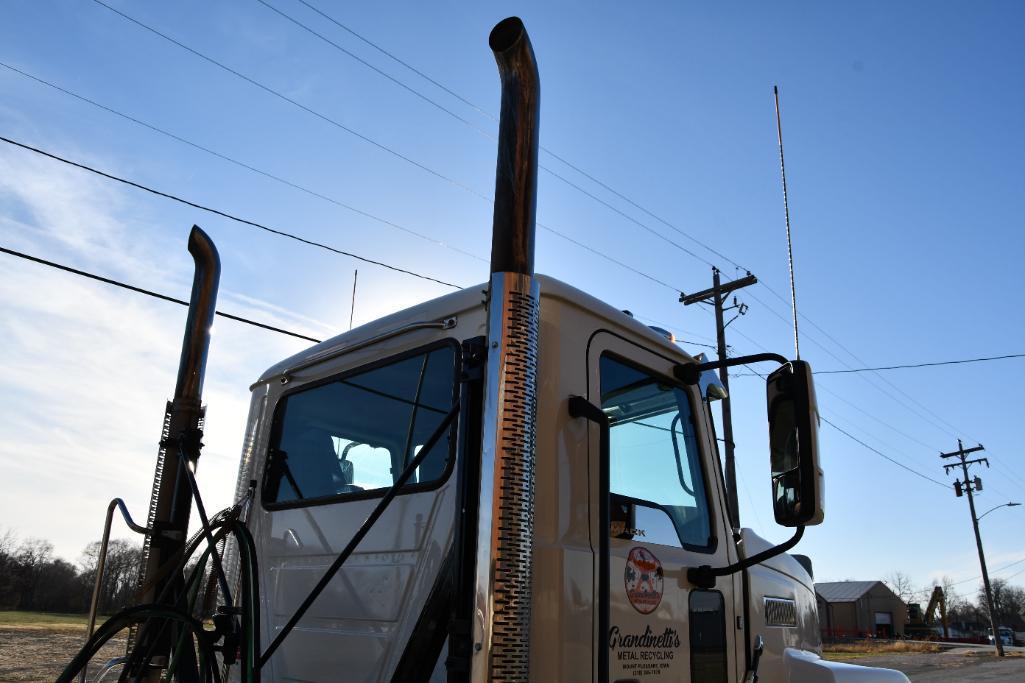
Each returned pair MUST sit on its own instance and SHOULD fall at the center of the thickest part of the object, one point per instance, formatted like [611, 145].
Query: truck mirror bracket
[690, 373]
[704, 576]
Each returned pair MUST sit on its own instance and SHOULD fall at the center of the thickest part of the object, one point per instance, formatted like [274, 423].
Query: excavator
[921, 625]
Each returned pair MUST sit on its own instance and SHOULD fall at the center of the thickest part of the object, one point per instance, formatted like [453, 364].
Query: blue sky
[905, 152]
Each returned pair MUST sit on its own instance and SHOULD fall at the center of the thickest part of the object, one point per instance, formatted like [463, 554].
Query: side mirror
[797, 481]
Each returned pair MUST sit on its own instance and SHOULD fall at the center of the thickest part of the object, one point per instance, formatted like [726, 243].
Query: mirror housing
[797, 480]
[711, 386]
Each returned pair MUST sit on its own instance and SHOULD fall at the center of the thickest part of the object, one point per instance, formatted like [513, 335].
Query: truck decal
[643, 580]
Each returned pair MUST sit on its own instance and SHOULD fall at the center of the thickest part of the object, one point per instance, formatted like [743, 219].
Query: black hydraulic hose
[359, 535]
[141, 657]
[122, 620]
[204, 521]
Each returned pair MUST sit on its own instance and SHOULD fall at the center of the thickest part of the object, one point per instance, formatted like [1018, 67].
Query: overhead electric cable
[224, 214]
[314, 193]
[994, 571]
[147, 292]
[373, 68]
[488, 134]
[851, 436]
[409, 66]
[241, 164]
[296, 103]
[546, 150]
[910, 365]
[922, 365]
[375, 143]
[883, 455]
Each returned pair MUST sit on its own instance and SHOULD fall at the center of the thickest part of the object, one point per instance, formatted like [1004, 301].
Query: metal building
[851, 609]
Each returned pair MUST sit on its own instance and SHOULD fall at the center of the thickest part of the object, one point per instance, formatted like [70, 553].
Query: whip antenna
[786, 210]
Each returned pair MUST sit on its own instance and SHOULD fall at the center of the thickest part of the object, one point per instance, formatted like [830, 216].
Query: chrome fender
[802, 666]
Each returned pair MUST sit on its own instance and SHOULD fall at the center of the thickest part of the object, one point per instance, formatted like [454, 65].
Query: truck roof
[458, 302]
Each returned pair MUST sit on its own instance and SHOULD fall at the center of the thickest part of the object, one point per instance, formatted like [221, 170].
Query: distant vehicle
[1006, 635]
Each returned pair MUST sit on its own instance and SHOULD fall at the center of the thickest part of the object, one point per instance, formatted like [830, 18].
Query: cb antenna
[786, 210]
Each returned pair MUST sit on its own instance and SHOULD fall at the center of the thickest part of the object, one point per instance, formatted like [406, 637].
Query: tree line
[33, 579]
[967, 610]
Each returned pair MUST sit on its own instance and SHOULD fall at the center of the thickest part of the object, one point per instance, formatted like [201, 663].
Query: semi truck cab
[331, 427]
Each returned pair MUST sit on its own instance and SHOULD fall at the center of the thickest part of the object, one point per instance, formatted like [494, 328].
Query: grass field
[845, 652]
[35, 646]
[44, 620]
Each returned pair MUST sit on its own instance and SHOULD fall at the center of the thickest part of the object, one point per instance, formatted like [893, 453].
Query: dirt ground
[40, 654]
[953, 666]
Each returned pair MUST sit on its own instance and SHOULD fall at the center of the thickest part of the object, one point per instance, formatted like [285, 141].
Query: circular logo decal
[643, 579]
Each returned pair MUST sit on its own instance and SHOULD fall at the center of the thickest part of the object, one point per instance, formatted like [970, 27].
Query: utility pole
[970, 485]
[715, 297]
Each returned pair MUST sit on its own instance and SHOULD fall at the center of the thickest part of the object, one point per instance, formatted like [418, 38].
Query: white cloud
[87, 367]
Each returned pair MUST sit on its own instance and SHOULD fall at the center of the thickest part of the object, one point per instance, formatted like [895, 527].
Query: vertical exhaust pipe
[512, 239]
[171, 500]
[505, 530]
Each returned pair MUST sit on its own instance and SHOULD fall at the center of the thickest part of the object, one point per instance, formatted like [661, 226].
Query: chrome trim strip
[505, 537]
[285, 376]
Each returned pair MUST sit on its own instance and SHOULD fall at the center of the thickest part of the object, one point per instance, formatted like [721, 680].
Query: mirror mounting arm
[690, 373]
[704, 576]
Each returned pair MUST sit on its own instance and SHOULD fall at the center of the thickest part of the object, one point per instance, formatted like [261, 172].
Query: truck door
[665, 515]
[336, 445]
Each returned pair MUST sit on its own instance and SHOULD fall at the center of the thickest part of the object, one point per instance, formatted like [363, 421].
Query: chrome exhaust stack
[171, 499]
[505, 532]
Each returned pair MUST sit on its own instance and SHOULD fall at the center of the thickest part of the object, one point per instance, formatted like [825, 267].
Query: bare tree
[900, 584]
[1008, 603]
[119, 572]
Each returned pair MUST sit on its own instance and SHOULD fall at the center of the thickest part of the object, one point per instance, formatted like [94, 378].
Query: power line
[147, 292]
[223, 214]
[241, 164]
[289, 183]
[295, 103]
[910, 365]
[375, 69]
[1007, 566]
[883, 455]
[491, 136]
[922, 365]
[856, 439]
[372, 142]
[938, 422]
[400, 61]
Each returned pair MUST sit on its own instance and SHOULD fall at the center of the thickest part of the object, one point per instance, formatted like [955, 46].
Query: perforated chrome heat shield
[506, 528]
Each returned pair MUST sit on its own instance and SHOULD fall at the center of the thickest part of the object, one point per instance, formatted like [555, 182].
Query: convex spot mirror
[797, 482]
[711, 386]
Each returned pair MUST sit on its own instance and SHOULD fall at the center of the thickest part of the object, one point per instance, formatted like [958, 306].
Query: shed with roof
[851, 609]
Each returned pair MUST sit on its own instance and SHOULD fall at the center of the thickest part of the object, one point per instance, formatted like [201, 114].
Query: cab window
[353, 436]
[654, 460]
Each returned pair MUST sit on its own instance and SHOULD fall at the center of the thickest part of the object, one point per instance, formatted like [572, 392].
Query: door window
[654, 459]
[354, 435]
